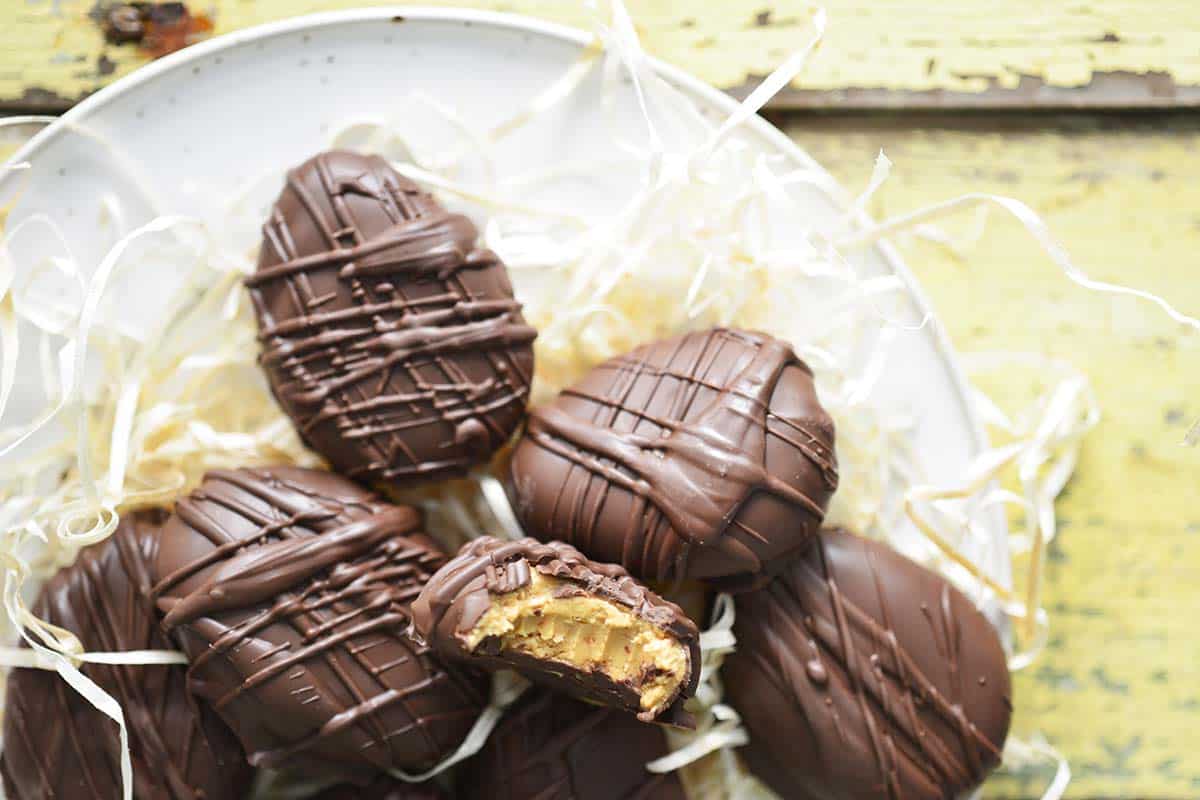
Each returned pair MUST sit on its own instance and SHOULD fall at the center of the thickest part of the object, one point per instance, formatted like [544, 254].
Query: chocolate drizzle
[459, 594]
[550, 747]
[56, 745]
[388, 336]
[707, 455]
[862, 675]
[290, 589]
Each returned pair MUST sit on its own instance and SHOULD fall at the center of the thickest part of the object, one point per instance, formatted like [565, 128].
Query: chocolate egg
[703, 456]
[383, 788]
[861, 675]
[289, 589]
[57, 745]
[551, 747]
[555, 616]
[388, 336]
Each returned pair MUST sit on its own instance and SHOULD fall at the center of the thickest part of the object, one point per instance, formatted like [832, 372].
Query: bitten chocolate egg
[388, 336]
[289, 589]
[57, 746]
[703, 456]
[861, 675]
[559, 618]
[551, 747]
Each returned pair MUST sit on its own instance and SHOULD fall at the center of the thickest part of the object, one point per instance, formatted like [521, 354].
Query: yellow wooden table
[1118, 689]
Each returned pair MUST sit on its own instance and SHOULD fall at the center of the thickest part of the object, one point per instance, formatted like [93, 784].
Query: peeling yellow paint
[965, 46]
[1118, 689]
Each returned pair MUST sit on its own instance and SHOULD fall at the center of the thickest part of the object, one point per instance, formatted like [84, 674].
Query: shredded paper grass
[134, 408]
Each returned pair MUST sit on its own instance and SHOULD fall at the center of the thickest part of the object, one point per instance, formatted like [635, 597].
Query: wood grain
[1118, 689]
[877, 54]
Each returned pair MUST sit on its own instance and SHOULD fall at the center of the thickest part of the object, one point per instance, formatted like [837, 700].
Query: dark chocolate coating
[703, 456]
[391, 340]
[551, 747]
[58, 746]
[458, 595]
[289, 589]
[861, 675]
[383, 788]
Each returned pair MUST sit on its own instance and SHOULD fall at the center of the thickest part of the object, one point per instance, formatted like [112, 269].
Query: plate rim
[564, 33]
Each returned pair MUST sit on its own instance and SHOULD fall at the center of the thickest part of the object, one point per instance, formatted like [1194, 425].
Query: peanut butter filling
[586, 633]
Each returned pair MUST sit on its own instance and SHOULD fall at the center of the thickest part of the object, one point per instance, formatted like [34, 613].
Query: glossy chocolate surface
[383, 788]
[703, 456]
[458, 595]
[551, 747]
[289, 589]
[862, 675]
[58, 746]
[389, 337]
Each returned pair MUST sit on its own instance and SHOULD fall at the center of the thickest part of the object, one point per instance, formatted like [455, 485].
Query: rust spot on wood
[156, 28]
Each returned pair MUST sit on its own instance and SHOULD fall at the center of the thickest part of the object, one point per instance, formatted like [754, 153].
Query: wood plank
[1106, 91]
[878, 53]
[1118, 689]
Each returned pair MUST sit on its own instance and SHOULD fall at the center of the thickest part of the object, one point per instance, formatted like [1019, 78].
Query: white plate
[204, 121]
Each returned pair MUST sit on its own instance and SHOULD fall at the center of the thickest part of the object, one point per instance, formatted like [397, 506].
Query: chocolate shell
[549, 612]
[58, 746]
[551, 747]
[289, 589]
[383, 788]
[861, 675]
[388, 336]
[703, 456]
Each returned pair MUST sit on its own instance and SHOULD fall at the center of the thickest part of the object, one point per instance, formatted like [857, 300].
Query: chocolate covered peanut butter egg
[289, 590]
[58, 746]
[703, 456]
[559, 618]
[383, 788]
[861, 675]
[551, 747]
[391, 338]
